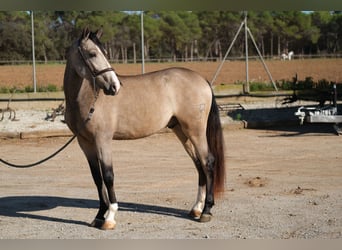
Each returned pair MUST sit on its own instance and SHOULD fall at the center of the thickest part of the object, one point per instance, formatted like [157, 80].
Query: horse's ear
[85, 33]
[99, 33]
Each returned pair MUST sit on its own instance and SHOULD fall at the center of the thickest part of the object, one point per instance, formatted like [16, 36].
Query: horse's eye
[92, 54]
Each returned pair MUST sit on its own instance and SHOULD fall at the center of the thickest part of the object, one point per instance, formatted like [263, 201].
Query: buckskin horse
[102, 106]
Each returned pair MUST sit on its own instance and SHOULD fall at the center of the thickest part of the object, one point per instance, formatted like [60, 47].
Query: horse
[287, 56]
[102, 106]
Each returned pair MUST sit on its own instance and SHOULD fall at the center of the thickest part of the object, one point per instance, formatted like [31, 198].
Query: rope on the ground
[41, 161]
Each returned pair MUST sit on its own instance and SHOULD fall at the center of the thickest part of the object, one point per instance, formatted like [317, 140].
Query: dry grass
[20, 76]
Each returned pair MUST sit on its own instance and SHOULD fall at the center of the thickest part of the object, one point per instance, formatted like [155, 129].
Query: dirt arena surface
[282, 183]
[20, 76]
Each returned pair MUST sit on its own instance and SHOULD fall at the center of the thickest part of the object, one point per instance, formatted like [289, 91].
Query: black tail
[216, 147]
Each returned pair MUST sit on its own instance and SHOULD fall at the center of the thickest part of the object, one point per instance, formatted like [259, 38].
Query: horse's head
[94, 64]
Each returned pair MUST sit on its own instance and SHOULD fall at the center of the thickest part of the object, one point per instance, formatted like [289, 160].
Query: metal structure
[33, 56]
[142, 43]
[247, 32]
[322, 114]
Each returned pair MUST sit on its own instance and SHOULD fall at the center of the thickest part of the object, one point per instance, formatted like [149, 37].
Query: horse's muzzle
[111, 89]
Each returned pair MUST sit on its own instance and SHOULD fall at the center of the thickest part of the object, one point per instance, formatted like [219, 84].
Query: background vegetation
[170, 35]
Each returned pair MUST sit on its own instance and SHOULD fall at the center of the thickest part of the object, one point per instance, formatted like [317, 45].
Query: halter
[94, 72]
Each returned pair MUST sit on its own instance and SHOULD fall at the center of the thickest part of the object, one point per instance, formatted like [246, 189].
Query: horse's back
[146, 103]
[177, 81]
[173, 86]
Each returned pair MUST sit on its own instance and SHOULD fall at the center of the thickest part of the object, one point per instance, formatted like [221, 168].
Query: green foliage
[176, 34]
[307, 84]
[48, 88]
[258, 86]
[29, 89]
[4, 90]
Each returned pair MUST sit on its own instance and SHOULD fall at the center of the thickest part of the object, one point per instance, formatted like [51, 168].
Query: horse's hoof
[205, 218]
[97, 223]
[195, 214]
[108, 225]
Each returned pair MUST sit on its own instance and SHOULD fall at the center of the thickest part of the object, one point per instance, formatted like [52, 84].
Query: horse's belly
[140, 125]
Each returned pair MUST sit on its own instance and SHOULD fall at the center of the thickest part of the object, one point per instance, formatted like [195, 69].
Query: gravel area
[31, 120]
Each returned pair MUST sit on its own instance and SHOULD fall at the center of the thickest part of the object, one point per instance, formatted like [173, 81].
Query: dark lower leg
[209, 199]
[108, 178]
[103, 199]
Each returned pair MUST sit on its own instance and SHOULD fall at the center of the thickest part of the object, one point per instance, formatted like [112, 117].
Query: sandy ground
[282, 183]
[20, 76]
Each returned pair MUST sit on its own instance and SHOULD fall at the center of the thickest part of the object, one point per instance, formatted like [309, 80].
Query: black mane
[94, 38]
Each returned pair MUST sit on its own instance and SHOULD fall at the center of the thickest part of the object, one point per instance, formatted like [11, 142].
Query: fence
[169, 59]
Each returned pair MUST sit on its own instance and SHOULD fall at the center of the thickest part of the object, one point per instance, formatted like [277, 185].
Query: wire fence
[170, 60]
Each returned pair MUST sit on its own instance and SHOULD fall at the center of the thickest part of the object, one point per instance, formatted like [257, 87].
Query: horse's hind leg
[198, 207]
[102, 175]
[207, 172]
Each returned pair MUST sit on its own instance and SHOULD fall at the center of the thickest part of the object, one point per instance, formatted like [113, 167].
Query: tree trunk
[126, 57]
[134, 54]
[196, 49]
[123, 54]
[271, 42]
[220, 50]
[209, 52]
[174, 49]
[45, 56]
[279, 52]
[146, 50]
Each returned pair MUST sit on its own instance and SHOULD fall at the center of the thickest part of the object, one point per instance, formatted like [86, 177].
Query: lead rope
[38, 162]
[90, 114]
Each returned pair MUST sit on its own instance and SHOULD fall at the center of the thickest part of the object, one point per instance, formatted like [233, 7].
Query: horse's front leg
[102, 193]
[103, 177]
[105, 160]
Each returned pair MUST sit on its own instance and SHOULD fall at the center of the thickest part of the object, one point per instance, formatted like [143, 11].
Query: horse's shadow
[24, 206]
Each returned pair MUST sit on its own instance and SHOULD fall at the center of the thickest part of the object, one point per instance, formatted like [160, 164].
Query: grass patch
[307, 83]
[29, 89]
[257, 86]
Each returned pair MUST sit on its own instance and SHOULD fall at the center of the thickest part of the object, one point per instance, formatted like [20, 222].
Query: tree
[152, 34]
[43, 37]
[335, 34]
[15, 36]
[309, 33]
[321, 20]
[193, 34]
[208, 21]
[175, 34]
[218, 29]
[64, 29]
[262, 26]
[179, 29]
